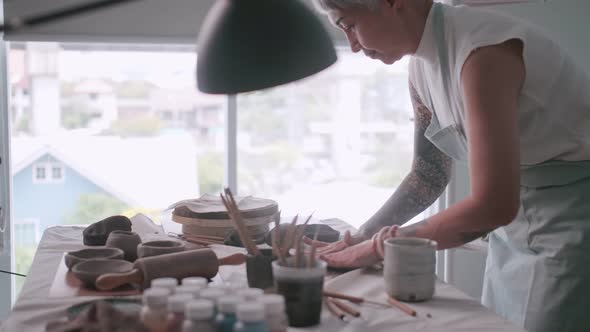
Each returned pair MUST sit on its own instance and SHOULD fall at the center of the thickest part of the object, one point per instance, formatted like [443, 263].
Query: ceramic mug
[409, 268]
[126, 241]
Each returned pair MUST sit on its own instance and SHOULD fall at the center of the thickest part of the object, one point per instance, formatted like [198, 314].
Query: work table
[450, 309]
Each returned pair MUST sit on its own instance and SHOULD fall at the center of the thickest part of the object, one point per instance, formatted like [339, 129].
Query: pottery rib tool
[179, 265]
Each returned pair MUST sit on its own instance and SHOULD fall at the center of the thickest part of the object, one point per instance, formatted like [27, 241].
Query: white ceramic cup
[409, 268]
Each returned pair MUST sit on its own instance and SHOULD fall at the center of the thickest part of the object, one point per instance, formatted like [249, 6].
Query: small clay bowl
[74, 257]
[159, 247]
[88, 271]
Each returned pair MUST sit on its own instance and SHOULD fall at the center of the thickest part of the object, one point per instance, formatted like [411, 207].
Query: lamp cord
[13, 273]
[17, 23]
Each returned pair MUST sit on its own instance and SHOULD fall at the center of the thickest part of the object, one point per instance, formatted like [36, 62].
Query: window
[132, 134]
[88, 142]
[337, 143]
[56, 173]
[40, 173]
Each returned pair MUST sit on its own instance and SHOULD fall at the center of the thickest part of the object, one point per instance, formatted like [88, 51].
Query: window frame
[6, 240]
[230, 153]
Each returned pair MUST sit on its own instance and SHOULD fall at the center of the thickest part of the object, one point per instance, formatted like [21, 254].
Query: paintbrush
[333, 309]
[234, 213]
[346, 308]
[353, 299]
[299, 237]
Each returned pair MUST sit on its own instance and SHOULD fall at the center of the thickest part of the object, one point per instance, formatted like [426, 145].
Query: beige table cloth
[451, 310]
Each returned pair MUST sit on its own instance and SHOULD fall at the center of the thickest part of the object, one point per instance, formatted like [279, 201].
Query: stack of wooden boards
[208, 217]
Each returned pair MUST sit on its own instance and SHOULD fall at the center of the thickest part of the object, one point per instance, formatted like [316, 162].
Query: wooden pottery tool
[401, 306]
[179, 265]
[353, 299]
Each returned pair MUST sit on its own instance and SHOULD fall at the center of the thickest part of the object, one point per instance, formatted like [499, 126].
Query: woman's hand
[324, 248]
[354, 251]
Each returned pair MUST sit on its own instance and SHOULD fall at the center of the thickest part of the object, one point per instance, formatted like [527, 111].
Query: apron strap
[554, 173]
[438, 25]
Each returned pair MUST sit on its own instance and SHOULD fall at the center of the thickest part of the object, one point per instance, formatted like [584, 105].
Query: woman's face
[381, 34]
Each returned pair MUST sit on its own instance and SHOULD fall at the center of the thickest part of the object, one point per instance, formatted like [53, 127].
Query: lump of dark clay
[96, 234]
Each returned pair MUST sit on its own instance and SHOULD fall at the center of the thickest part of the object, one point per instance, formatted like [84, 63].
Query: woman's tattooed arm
[427, 179]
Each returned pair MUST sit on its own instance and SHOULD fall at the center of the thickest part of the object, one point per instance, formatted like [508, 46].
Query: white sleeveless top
[554, 105]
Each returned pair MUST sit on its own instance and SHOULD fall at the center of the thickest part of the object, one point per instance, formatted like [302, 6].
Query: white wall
[567, 22]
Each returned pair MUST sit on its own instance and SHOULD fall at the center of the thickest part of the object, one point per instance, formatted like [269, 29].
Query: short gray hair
[323, 6]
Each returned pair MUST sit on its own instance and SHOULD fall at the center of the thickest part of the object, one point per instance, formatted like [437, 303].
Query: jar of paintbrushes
[299, 278]
[302, 286]
[258, 261]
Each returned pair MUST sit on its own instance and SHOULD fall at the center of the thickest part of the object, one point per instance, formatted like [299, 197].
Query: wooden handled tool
[190, 263]
[111, 281]
[351, 298]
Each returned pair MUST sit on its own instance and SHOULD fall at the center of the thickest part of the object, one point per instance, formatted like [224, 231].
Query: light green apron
[538, 267]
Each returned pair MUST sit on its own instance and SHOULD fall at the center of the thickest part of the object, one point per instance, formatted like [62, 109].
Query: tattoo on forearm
[428, 178]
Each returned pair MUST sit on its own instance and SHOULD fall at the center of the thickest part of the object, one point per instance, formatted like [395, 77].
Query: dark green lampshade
[247, 45]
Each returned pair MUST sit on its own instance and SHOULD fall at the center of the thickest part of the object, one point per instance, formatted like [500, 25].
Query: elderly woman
[495, 92]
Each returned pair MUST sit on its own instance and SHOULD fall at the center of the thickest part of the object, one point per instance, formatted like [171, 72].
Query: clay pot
[74, 257]
[126, 241]
[159, 247]
[89, 270]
